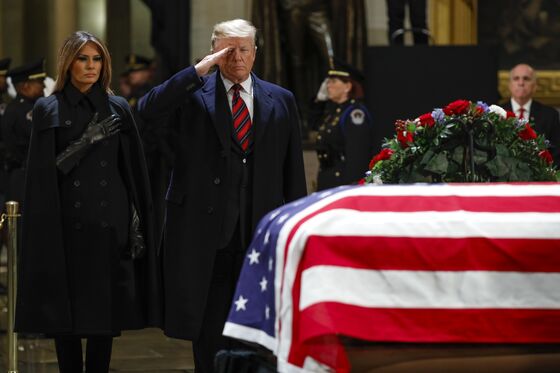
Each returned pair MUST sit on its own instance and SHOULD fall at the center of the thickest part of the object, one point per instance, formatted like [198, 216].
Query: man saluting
[239, 157]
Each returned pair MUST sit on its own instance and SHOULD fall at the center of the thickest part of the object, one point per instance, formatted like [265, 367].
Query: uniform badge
[29, 115]
[358, 116]
[2, 108]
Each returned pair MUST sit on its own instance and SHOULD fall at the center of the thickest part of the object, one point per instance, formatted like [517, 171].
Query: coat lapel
[263, 109]
[214, 98]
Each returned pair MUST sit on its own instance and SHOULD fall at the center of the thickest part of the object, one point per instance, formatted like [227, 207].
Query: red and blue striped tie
[241, 119]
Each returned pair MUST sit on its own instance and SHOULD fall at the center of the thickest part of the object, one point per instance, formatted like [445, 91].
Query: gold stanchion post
[12, 214]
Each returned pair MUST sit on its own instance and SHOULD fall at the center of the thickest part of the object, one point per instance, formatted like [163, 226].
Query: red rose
[457, 107]
[527, 133]
[545, 154]
[362, 181]
[405, 137]
[479, 110]
[510, 114]
[427, 120]
[381, 156]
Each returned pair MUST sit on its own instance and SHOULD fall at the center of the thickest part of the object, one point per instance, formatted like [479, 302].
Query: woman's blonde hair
[68, 52]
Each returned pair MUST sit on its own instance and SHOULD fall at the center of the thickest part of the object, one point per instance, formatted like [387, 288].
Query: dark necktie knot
[236, 88]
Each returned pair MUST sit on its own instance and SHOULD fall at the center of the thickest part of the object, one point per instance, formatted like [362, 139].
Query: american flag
[403, 263]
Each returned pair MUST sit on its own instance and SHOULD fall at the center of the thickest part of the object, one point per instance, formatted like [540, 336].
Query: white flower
[498, 110]
[377, 179]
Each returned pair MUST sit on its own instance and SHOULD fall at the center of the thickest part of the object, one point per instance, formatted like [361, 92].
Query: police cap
[136, 62]
[35, 70]
[342, 69]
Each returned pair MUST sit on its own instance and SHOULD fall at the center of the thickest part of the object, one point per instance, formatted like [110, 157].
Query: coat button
[104, 203]
[217, 181]
[77, 226]
[104, 224]
[105, 142]
[103, 163]
[337, 174]
[210, 210]
[103, 183]
[244, 160]
[68, 122]
[77, 204]
[76, 183]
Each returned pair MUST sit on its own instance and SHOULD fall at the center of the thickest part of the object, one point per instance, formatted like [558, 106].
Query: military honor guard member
[28, 81]
[345, 133]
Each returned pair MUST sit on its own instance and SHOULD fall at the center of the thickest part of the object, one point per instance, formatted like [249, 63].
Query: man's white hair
[236, 28]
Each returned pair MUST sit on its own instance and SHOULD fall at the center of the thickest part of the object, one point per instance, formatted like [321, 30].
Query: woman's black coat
[43, 298]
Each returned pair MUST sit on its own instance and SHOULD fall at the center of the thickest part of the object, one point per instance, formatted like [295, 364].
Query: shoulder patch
[29, 115]
[358, 116]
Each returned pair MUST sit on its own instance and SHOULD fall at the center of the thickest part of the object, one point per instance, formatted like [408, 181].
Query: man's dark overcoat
[45, 299]
[198, 192]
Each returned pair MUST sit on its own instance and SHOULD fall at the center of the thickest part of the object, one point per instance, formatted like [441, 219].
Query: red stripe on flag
[433, 254]
[431, 325]
[448, 203]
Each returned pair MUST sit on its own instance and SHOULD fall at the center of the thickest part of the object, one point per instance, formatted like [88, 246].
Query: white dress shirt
[515, 107]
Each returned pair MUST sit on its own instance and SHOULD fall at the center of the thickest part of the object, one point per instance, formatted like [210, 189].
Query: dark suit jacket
[198, 196]
[546, 121]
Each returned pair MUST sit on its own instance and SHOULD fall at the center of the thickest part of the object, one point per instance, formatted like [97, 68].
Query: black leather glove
[136, 245]
[95, 131]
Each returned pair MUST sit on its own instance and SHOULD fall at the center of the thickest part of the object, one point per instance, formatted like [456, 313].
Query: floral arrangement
[463, 142]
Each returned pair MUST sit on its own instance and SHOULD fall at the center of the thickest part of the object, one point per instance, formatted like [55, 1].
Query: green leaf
[499, 166]
[458, 153]
[438, 164]
[426, 158]
[480, 156]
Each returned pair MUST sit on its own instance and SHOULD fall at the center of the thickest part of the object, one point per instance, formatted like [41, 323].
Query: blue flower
[482, 105]
[438, 115]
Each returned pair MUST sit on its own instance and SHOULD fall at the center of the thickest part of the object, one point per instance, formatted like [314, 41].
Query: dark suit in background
[218, 193]
[546, 121]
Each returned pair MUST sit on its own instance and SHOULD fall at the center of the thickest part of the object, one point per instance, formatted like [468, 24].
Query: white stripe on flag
[249, 334]
[429, 289]
[454, 224]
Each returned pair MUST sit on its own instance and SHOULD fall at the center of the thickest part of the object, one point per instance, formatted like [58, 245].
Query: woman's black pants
[69, 354]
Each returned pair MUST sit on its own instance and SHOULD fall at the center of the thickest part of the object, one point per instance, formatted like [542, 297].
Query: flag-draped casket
[437, 263]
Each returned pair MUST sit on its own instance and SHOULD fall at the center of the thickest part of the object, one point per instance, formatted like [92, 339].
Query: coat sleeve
[294, 174]
[149, 266]
[161, 100]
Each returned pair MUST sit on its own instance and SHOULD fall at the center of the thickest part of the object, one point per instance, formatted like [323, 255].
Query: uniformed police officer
[345, 133]
[139, 76]
[4, 66]
[4, 99]
[28, 81]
